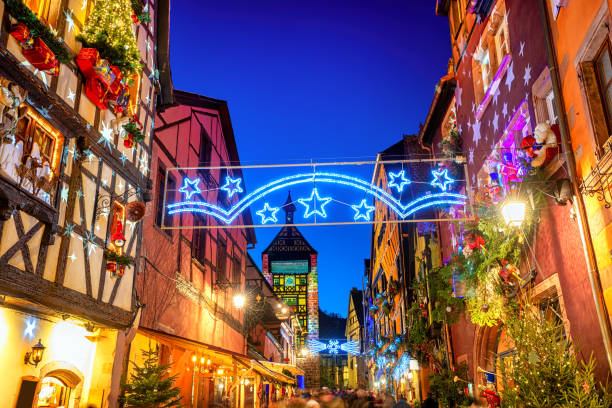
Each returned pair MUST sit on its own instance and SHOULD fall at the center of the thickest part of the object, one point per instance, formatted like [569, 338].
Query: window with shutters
[166, 194]
[603, 73]
[491, 58]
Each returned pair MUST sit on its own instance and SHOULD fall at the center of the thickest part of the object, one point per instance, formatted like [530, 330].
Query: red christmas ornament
[135, 19]
[128, 141]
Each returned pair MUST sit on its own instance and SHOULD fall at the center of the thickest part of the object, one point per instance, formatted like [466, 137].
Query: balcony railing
[598, 183]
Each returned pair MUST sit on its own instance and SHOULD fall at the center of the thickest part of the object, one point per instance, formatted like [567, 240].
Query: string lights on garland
[316, 203]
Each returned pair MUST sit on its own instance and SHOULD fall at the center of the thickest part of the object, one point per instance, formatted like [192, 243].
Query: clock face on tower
[290, 281]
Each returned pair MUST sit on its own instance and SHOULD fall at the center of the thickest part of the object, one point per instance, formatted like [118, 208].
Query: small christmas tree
[109, 30]
[149, 385]
[544, 370]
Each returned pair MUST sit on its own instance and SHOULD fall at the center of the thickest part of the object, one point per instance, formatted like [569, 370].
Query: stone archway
[68, 374]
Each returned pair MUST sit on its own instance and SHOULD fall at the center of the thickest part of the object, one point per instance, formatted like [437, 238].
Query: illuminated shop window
[33, 159]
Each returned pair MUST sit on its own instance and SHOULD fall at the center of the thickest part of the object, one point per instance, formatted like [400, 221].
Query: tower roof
[289, 209]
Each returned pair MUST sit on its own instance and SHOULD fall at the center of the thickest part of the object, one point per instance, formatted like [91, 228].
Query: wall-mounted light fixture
[35, 356]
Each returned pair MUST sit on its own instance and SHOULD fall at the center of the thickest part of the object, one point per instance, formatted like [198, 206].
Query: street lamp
[514, 212]
[239, 301]
[35, 356]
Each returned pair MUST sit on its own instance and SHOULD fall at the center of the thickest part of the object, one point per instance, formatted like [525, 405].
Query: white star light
[505, 109]
[268, 213]
[106, 137]
[522, 50]
[29, 329]
[362, 210]
[69, 20]
[72, 257]
[496, 95]
[510, 76]
[495, 120]
[232, 186]
[527, 75]
[70, 95]
[399, 185]
[315, 204]
[476, 130]
[471, 155]
[458, 92]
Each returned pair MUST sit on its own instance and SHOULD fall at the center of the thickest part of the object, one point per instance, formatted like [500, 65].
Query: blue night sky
[314, 80]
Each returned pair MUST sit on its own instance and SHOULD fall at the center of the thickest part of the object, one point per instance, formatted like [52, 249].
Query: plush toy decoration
[543, 146]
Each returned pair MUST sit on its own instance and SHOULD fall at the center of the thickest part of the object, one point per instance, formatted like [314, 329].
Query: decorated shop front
[49, 360]
[207, 375]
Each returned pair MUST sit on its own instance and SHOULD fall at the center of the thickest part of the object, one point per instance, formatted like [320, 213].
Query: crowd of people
[326, 398]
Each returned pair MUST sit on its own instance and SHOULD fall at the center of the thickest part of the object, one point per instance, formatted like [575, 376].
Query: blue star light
[441, 179]
[190, 187]
[362, 210]
[315, 204]
[398, 184]
[68, 229]
[232, 186]
[268, 213]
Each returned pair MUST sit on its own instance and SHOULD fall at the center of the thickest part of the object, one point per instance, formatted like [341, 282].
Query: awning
[266, 372]
[220, 355]
[279, 367]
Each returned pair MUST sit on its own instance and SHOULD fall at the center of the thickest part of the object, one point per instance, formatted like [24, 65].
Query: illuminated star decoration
[64, 193]
[69, 20]
[362, 210]
[88, 242]
[315, 204]
[268, 213]
[106, 136]
[190, 187]
[68, 229]
[232, 186]
[403, 181]
[29, 329]
[72, 257]
[71, 95]
[123, 158]
[441, 179]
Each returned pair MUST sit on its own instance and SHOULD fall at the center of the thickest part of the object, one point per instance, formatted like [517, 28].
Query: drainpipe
[583, 224]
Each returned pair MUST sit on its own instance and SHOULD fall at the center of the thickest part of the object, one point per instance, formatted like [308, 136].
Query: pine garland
[109, 30]
[22, 13]
[132, 128]
[124, 260]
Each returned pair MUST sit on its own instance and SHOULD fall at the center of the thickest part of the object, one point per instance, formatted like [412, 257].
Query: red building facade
[498, 93]
[191, 275]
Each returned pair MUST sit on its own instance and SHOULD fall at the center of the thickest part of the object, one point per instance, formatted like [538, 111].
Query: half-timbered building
[73, 183]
